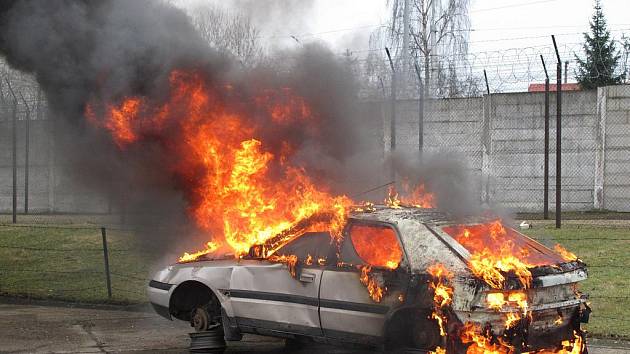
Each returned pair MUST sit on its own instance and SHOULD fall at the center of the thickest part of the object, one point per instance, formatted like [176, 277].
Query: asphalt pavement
[45, 327]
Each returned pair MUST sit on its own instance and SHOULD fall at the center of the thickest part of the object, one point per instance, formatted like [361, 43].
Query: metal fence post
[558, 136]
[392, 129]
[485, 76]
[106, 258]
[26, 152]
[14, 148]
[546, 167]
[420, 112]
[14, 162]
[392, 122]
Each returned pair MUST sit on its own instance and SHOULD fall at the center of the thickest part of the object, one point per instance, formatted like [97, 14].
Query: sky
[506, 37]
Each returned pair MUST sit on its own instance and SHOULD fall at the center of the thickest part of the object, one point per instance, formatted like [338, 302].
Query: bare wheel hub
[200, 319]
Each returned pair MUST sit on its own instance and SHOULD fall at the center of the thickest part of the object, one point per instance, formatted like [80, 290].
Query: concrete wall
[616, 163]
[500, 139]
[452, 126]
[516, 169]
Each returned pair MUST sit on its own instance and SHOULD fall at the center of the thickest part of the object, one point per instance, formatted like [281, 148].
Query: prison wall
[498, 139]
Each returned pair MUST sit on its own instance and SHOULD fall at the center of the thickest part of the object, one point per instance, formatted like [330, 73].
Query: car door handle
[307, 277]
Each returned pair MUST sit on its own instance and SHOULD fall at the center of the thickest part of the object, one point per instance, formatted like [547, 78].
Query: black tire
[425, 334]
[210, 341]
[413, 331]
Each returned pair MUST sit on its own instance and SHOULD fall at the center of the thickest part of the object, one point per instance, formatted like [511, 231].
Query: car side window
[373, 244]
[312, 249]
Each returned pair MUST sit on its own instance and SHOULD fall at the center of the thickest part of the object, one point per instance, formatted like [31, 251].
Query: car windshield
[496, 239]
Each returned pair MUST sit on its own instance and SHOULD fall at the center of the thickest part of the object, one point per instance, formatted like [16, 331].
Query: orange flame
[211, 246]
[481, 342]
[236, 187]
[375, 290]
[566, 255]
[438, 350]
[496, 251]
[377, 246]
[416, 197]
[442, 294]
[392, 200]
[291, 261]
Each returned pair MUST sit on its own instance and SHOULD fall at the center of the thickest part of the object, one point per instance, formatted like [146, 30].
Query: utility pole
[566, 71]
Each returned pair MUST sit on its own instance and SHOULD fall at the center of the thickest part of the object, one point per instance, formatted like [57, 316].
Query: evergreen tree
[600, 63]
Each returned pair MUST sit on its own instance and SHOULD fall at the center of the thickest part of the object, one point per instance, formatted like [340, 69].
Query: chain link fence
[500, 141]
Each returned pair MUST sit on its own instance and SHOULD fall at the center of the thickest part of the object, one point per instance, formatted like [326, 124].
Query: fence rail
[91, 264]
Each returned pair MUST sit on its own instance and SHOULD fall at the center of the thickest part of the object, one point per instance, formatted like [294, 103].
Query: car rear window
[376, 245]
[494, 238]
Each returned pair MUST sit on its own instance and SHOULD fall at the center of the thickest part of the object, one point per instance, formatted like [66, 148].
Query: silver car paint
[263, 276]
[345, 286]
[422, 248]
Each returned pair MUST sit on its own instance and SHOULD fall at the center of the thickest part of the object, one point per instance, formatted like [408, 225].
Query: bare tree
[438, 31]
[230, 32]
[625, 57]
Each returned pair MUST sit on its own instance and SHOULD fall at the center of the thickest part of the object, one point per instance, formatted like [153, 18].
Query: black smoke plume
[82, 50]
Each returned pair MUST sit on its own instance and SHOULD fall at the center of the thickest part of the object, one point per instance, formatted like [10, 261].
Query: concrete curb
[15, 300]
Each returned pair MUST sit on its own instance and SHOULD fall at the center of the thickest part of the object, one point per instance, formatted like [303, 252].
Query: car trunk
[546, 279]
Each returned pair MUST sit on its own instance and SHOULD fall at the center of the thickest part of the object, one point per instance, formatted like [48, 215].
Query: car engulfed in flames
[285, 256]
[397, 277]
[528, 299]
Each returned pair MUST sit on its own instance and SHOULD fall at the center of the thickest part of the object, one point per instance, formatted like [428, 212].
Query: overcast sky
[496, 26]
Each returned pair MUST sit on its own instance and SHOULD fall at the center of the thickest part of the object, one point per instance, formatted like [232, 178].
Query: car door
[266, 295]
[347, 310]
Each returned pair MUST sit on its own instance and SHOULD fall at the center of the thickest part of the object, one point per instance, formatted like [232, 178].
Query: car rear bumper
[545, 327]
[159, 295]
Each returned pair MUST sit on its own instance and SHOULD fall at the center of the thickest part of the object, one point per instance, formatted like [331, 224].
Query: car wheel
[208, 336]
[211, 341]
[425, 334]
[200, 319]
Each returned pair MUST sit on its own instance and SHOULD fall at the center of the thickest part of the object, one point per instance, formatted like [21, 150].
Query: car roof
[388, 214]
[422, 246]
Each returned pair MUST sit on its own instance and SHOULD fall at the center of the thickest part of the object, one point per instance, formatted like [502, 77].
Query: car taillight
[496, 300]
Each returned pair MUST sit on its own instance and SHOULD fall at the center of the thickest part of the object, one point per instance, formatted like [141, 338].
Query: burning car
[399, 277]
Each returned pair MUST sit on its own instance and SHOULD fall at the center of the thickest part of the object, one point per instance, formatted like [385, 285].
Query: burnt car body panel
[327, 302]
